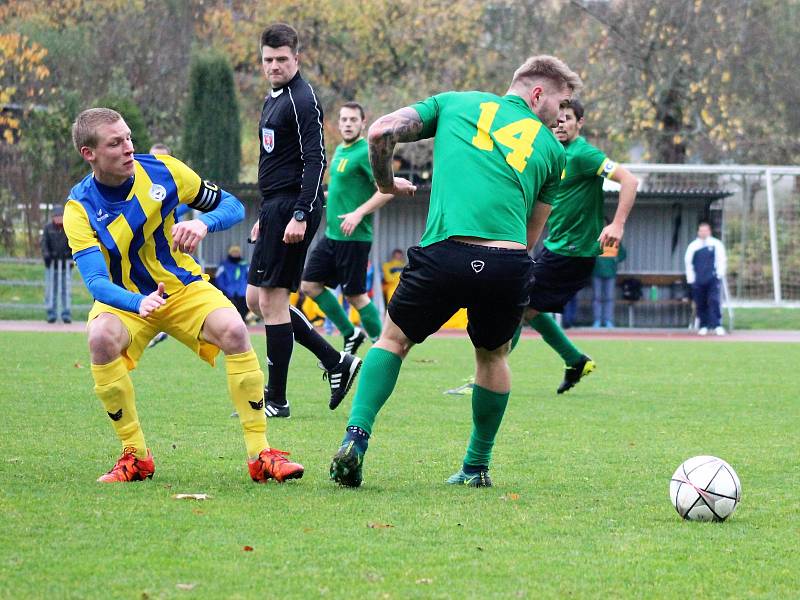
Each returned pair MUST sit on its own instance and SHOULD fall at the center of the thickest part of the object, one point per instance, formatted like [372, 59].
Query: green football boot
[346, 464]
[479, 479]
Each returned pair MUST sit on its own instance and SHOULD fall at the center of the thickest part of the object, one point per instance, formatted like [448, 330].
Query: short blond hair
[548, 67]
[84, 129]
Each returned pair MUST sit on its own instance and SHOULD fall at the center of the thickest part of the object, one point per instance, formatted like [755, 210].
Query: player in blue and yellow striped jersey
[135, 260]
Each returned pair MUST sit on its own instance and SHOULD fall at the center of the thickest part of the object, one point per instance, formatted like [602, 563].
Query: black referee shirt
[292, 155]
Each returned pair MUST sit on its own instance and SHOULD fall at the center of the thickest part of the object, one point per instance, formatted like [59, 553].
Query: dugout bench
[665, 302]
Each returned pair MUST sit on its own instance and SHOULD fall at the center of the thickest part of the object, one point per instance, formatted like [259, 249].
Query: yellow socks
[114, 387]
[246, 387]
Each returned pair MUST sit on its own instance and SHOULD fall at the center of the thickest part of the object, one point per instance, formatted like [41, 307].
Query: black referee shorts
[557, 278]
[337, 262]
[491, 283]
[274, 263]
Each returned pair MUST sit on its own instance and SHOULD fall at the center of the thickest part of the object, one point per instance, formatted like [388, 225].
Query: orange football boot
[130, 468]
[273, 464]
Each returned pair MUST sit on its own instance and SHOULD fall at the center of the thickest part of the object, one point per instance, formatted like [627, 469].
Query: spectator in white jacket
[706, 262]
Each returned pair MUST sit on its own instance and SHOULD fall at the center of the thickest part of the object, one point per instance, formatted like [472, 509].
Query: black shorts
[274, 263]
[491, 283]
[557, 278]
[335, 262]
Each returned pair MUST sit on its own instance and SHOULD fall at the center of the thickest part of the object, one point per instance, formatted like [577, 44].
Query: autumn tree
[663, 70]
[23, 74]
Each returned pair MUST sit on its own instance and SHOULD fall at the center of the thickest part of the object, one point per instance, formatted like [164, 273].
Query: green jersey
[492, 159]
[351, 184]
[576, 220]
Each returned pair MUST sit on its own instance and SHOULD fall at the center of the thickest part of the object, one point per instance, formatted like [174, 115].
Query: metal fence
[758, 220]
[755, 211]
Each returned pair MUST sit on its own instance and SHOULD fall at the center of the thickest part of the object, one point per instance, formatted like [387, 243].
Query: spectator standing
[706, 262]
[604, 284]
[58, 268]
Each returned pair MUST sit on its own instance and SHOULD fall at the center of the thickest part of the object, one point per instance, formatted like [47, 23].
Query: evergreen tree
[212, 129]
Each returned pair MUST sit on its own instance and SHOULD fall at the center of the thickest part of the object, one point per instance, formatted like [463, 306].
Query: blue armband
[94, 272]
[227, 213]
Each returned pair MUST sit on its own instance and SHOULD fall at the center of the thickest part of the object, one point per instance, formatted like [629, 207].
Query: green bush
[212, 129]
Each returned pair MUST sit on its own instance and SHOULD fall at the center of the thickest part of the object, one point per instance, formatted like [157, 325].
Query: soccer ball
[705, 488]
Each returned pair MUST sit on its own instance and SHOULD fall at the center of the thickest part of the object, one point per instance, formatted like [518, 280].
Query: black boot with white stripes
[341, 378]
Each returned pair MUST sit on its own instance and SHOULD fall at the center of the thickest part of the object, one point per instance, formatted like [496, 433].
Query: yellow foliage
[20, 57]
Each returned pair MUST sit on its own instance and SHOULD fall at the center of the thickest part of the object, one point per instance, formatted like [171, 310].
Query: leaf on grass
[191, 496]
[510, 496]
[247, 548]
[479, 548]
[198, 511]
[186, 586]
[424, 360]
[379, 525]
[78, 365]
[425, 580]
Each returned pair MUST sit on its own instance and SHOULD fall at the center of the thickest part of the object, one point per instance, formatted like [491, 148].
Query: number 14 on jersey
[518, 136]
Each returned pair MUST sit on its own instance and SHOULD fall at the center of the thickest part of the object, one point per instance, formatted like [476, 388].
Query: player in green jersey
[576, 237]
[497, 169]
[341, 256]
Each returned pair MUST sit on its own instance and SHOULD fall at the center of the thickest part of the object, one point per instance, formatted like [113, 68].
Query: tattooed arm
[402, 125]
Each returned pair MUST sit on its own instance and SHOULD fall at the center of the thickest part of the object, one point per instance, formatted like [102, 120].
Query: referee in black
[290, 168]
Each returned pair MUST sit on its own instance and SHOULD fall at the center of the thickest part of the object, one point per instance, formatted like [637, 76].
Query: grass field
[580, 506]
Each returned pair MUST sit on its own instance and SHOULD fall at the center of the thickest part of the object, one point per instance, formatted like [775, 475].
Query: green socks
[487, 414]
[371, 320]
[555, 337]
[378, 377]
[334, 311]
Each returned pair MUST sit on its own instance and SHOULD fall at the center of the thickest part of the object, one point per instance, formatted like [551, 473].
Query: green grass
[766, 318]
[28, 294]
[580, 506]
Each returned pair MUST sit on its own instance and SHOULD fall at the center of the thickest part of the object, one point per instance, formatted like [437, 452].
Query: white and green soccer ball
[705, 488]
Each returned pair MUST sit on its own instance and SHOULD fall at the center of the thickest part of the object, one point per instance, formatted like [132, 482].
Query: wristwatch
[299, 215]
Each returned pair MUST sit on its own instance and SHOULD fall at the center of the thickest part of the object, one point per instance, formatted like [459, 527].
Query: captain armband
[208, 197]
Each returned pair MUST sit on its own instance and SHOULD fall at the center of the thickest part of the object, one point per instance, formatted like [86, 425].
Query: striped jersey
[131, 224]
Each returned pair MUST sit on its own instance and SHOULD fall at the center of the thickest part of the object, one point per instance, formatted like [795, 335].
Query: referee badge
[268, 139]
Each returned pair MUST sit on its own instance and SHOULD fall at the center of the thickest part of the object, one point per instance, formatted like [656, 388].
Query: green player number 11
[518, 136]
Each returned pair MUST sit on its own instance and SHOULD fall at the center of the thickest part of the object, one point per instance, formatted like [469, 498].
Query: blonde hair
[84, 129]
[548, 67]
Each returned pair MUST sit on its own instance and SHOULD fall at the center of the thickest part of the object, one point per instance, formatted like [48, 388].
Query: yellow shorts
[182, 317]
